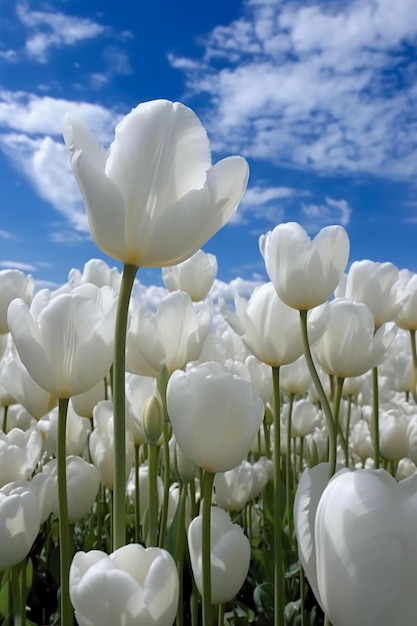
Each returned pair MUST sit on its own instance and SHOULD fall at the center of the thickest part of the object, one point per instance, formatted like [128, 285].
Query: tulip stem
[17, 604]
[206, 547]
[331, 430]
[414, 357]
[279, 601]
[336, 411]
[375, 416]
[137, 495]
[119, 403]
[64, 533]
[152, 539]
[288, 470]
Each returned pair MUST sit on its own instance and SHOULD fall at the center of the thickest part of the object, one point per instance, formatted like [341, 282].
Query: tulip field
[201, 461]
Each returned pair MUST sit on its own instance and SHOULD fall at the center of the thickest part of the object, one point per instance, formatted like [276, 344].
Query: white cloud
[53, 30]
[5, 234]
[29, 113]
[8, 55]
[325, 86]
[315, 216]
[45, 163]
[264, 203]
[17, 265]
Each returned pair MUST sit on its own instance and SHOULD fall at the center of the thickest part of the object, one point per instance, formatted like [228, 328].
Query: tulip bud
[153, 419]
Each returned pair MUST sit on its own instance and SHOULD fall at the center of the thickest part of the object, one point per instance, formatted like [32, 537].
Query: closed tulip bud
[305, 272]
[195, 275]
[179, 200]
[215, 415]
[19, 523]
[132, 586]
[230, 555]
[153, 419]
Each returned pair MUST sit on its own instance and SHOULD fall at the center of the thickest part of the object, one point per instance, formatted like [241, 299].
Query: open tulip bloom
[154, 198]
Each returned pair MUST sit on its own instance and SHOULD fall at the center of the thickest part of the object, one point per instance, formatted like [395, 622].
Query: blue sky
[319, 96]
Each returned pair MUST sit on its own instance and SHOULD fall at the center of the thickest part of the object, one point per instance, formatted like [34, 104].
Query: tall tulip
[176, 203]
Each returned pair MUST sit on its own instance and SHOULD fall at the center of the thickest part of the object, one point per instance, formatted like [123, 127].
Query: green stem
[320, 392]
[206, 547]
[375, 416]
[288, 469]
[153, 500]
[137, 495]
[414, 357]
[17, 596]
[119, 403]
[180, 551]
[167, 476]
[220, 615]
[279, 600]
[347, 432]
[336, 412]
[64, 530]
[5, 412]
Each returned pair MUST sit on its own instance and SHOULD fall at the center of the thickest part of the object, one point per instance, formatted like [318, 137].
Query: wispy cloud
[263, 203]
[325, 86]
[18, 265]
[45, 163]
[5, 234]
[315, 216]
[8, 55]
[33, 114]
[52, 29]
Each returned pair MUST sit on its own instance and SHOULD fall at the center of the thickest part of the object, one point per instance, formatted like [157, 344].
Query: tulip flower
[19, 523]
[305, 272]
[19, 383]
[66, 345]
[13, 284]
[230, 555]
[215, 415]
[101, 444]
[350, 346]
[132, 586]
[172, 336]
[19, 454]
[375, 284]
[195, 275]
[366, 550]
[154, 198]
[270, 328]
[97, 272]
[83, 482]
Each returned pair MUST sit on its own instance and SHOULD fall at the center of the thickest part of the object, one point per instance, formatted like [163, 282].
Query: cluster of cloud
[327, 86]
